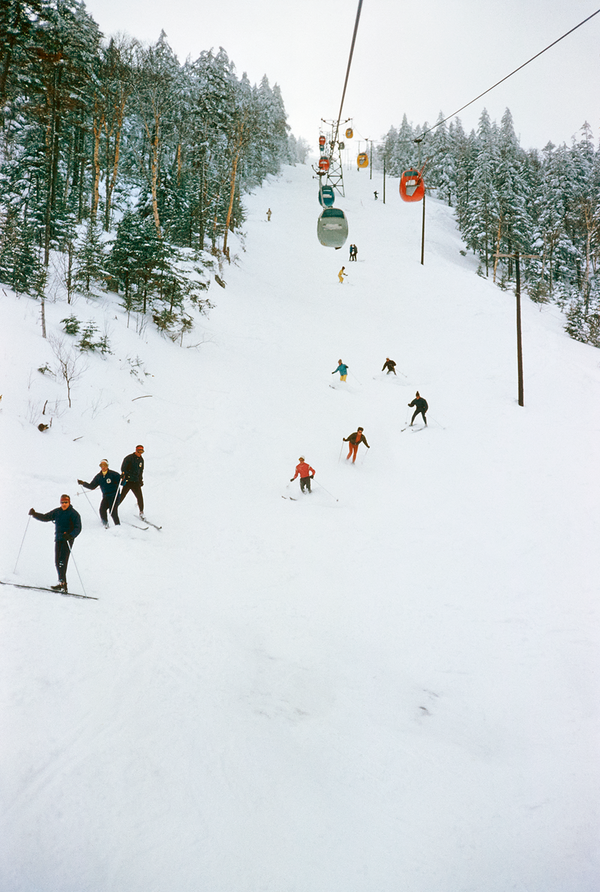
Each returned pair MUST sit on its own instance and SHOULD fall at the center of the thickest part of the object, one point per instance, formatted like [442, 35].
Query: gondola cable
[337, 126]
[332, 225]
[537, 55]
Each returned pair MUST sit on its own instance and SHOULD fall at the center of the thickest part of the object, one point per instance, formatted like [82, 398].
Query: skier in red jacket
[306, 474]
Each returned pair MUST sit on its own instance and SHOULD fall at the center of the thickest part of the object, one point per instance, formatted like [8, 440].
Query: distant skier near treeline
[355, 440]
[342, 369]
[67, 526]
[421, 407]
[390, 365]
[132, 474]
[108, 481]
[305, 472]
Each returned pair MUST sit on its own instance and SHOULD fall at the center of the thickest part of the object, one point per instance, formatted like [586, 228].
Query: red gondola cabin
[322, 143]
[412, 185]
[324, 164]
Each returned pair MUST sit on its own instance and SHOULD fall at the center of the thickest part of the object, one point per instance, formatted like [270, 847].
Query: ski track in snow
[389, 684]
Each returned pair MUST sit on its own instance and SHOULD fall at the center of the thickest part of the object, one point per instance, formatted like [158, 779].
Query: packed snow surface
[389, 685]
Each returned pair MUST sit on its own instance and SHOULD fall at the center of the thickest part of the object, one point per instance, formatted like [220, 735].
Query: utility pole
[516, 255]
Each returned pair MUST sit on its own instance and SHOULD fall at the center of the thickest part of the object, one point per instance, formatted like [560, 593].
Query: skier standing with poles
[354, 440]
[420, 406]
[390, 365]
[306, 474]
[67, 523]
[108, 481]
[132, 474]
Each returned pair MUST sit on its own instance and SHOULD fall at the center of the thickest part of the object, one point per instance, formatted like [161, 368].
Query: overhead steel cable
[337, 126]
[489, 89]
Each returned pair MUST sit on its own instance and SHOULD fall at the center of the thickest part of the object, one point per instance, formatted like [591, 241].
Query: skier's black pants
[136, 489]
[61, 558]
[418, 412]
[106, 505]
[305, 483]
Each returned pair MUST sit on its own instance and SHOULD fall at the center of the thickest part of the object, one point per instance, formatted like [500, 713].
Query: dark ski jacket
[108, 483]
[132, 469]
[390, 365]
[67, 523]
[420, 404]
[357, 437]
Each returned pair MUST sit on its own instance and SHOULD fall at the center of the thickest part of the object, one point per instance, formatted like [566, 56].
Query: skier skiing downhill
[342, 275]
[108, 481]
[132, 473]
[390, 365]
[67, 526]
[306, 474]
[354, 440]
[420, 407]
[342, 369]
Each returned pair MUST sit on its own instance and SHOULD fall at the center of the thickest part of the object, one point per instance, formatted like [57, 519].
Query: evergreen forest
[121, 164]
[542, 205]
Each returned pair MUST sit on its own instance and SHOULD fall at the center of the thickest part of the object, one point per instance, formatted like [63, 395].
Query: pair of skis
[43, 588]
[145, 519]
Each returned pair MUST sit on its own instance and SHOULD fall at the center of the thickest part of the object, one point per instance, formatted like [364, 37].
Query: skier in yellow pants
[342, 275]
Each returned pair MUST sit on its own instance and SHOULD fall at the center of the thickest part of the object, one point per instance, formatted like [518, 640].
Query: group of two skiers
[67, 521]
[306, 473]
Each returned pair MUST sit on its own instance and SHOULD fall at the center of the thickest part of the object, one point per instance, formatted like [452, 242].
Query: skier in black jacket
[390, 365]
[108, 481]
[132, 474]
[421, 407]
[67, 526]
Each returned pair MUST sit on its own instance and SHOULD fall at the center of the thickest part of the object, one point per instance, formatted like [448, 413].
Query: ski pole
[435, 421]
[22, 543]
[341, 450]
[327, 491]
[115, 498]
[84, 493]
[76, 567]
[355, 378]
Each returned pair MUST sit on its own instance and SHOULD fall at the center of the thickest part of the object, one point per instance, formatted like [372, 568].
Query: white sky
[415, 58]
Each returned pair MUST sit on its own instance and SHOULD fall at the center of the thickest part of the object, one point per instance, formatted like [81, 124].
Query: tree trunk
[236, 159]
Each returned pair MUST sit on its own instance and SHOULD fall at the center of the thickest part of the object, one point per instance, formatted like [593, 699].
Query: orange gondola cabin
[324, 164]
[349, 133]
[362, 160]
[412, 185]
